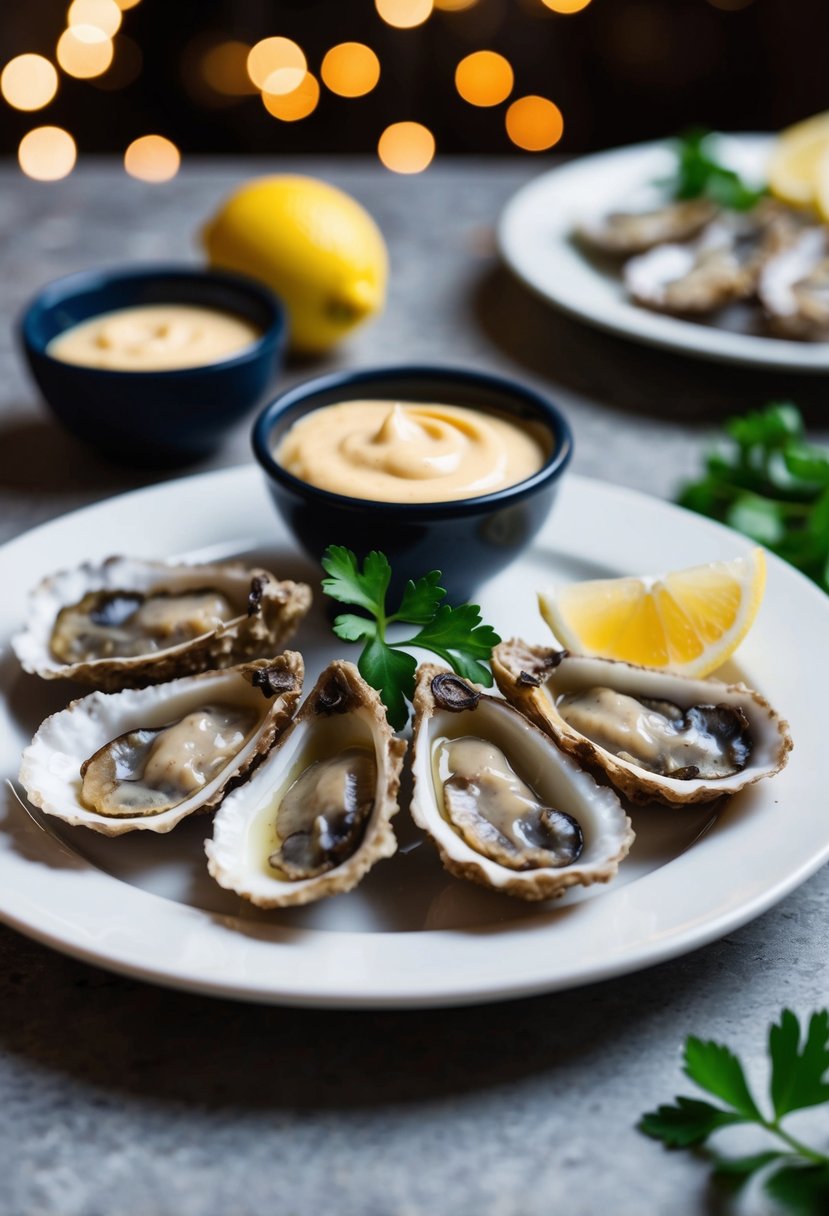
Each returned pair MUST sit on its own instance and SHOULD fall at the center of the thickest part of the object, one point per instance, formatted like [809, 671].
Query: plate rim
[36, 922]
[621, 317]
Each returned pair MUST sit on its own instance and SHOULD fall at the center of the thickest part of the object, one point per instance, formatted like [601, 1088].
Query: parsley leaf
[771, 485]
[700, 175]
[456, 635]
[795, 1175]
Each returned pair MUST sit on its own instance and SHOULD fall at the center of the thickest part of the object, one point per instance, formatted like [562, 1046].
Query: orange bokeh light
[566, 6]
[125, 4]
[484, 78]
[454, 6]
[225, 68]
[406, 147]
[104, 15]
[534, 123]
[277, 64]
[350, 69]
[84, 51]
[29, 82]
[299, 103]
[404, 14]
[47, 153]
[152, 158]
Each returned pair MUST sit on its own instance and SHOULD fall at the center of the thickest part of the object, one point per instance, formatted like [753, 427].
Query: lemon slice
[689, 621]
[796, 158]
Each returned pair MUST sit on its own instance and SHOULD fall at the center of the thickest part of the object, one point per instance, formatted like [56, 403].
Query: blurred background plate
[535, 238]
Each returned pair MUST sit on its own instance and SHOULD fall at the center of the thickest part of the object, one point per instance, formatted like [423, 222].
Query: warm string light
[406, 147]
[484, 78]
[277, 65]
[534, 123]
[566, 7]
[125, 4]
[103, 15]
[297, 104]
[47, 154]
[152, 158]
[350, 69]
[84, 51]
[454, 6]
[29, 82]
[404, 14]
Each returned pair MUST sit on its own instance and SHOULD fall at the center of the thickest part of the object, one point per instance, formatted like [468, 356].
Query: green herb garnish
[700, 175]
[772, 485]
[795, 1175]
[455, 635]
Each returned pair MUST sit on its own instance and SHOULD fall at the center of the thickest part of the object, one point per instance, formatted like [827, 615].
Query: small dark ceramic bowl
[159, 417]
[469, 539]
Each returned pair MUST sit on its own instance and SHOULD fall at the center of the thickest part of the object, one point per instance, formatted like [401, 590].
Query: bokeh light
[406, 147]
[277, 64]
[125, 4]
[225, 68]
[29, 82]
[47, 153]
[454, 6]
[566, 6]
[299, 103]
[152, 158]
[484, 78]
[404, 14]
[534, 123]
[104, 15]
[350, 69]
[84, 51]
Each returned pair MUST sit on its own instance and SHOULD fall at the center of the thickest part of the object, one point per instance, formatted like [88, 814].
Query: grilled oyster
[143, 759]
[502, 805]
[124, 622]
[655, 736]
[315, 816]
[624, 233]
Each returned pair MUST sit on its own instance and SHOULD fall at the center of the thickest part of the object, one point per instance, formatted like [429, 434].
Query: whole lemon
[314, 245]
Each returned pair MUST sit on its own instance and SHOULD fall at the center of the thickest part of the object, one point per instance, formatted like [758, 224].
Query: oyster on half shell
[624, 233]
[501, 803]
[143, 759]
[655, 735]
[124, 622]
[315, 816]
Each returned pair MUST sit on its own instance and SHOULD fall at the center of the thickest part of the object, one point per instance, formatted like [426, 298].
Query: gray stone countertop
[121, 1097]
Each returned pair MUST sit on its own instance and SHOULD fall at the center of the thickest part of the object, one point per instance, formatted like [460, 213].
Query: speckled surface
[119, 1097]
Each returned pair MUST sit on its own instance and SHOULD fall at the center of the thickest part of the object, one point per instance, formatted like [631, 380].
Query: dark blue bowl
[469, 539]
[161, 417]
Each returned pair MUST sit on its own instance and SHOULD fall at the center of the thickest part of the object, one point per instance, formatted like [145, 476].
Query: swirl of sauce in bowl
[392, 451]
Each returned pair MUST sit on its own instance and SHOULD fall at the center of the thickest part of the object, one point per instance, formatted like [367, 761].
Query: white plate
[410, 934]
[535, 235]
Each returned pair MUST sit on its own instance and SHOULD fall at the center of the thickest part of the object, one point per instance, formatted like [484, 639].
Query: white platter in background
[535, 236]
[411, 935]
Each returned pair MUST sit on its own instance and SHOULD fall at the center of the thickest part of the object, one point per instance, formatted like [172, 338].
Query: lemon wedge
[314, 245]
[796, 160]
[689, 621]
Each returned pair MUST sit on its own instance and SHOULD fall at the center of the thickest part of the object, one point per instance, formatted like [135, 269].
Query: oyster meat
[125, 622]
[501, 803]
[315, 816]
[794, 287]
[146, 758]
[656, 736]
[624, 233]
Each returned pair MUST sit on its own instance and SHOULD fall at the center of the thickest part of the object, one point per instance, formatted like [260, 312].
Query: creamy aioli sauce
[154, 337]
[392, 451]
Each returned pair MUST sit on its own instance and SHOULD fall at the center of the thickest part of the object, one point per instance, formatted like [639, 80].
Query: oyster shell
[502, 805]
[143, 759]
[655, 736]
[624, 233]
[124, 622]
[794, 287]
[315, 816]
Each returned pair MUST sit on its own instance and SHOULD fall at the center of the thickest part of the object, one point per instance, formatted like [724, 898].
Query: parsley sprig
[795, 1175]
[768, 482]
[700, 175]
[455, 635]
